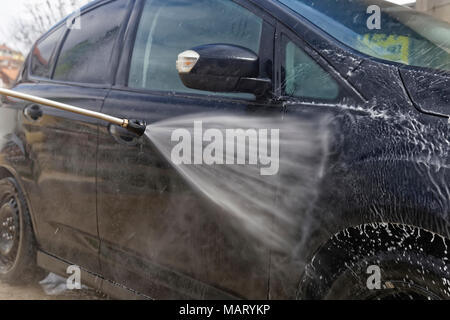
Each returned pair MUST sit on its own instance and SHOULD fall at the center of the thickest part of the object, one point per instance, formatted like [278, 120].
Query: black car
[370, 220]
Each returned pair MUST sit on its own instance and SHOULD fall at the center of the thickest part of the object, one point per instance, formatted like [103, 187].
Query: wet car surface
[363, 167]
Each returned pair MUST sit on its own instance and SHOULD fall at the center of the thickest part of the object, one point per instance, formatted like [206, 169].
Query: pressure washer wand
[135, 126]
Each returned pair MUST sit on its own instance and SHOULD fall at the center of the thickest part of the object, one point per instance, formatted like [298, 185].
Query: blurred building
[10, 63]
[437, 8]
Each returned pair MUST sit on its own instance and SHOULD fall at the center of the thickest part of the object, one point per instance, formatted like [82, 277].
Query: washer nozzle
[136, 126]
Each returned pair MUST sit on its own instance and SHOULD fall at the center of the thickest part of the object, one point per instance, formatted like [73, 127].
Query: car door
[63, 146]
[159, 235]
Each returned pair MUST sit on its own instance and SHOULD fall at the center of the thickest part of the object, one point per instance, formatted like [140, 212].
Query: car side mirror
[222, 68]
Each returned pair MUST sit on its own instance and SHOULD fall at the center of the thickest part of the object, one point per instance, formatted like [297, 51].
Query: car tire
[407, 277]
[17, 241]
[380, 262]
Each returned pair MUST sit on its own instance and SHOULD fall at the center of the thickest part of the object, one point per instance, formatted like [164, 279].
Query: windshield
[403, 35]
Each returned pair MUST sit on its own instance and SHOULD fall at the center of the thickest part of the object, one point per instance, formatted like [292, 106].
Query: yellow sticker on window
[388, 47]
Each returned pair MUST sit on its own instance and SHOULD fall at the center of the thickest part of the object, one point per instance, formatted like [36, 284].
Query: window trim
[122, 76]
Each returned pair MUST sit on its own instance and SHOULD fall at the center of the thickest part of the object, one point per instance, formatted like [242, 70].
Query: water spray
[136, 126]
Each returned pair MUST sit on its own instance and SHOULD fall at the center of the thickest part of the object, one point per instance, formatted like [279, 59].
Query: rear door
[159, 235]
[63, 146]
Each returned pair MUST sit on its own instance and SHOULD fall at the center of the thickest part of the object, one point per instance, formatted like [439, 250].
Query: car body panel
[61, 180]
[429, 90]
[150, 217]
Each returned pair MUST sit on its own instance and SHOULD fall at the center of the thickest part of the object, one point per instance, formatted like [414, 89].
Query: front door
[161, 234]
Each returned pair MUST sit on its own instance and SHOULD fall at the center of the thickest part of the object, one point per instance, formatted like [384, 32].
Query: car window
[304, 77]
[169, 27]
[87, 52]
[43, 52]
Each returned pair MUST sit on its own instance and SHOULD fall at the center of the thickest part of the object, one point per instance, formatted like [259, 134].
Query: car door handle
[33, 112]
[122, 135]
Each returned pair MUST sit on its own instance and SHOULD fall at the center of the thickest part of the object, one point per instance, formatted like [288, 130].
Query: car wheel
[17, 242]
[380, 262]
[407, 277]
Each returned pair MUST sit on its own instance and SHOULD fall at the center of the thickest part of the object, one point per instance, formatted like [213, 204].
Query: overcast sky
[10, 9]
